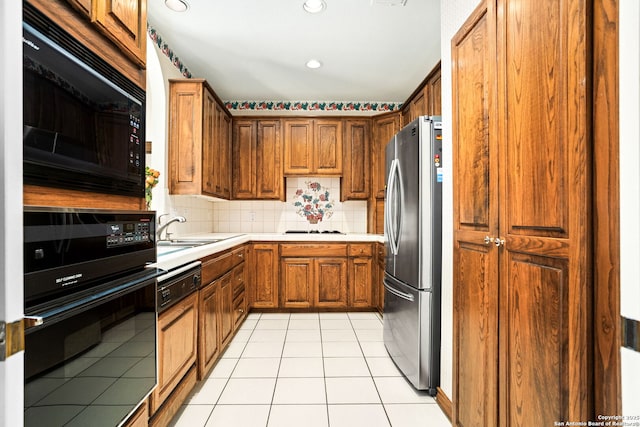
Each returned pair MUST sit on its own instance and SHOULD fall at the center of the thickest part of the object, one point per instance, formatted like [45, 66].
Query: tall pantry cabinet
[521, 171]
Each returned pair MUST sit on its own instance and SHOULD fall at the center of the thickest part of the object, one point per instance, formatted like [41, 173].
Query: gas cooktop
[313, 232]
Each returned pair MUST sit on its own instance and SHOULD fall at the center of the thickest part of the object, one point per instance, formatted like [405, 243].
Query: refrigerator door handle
[392, 216]
[396, 292]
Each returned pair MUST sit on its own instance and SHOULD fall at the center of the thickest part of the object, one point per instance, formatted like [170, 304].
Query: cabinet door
[361, 282]
[298, 147]
[269, 178]
[327, 147]
[330, 282]
[210, 153]
[545, 208]
[125, 23]
[356, 177]
[225, 153]
[226, 308]
[222, 161]
[177, 346]
[244, 159]
[296, 282]
[84, 6]
[475, 180]
[384, 128]
[418, 105]
[185, 137]
[208, 332]
[264, 277]
[434, 90]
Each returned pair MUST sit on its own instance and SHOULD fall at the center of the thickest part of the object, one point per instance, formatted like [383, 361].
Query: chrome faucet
[163, 227]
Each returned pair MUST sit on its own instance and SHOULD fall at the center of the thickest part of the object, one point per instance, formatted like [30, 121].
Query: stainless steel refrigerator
[413, 240]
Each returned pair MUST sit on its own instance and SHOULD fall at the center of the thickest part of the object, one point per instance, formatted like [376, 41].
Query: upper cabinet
[425, 100]
[257, 159]
[313, 147]
[199, 141]
[356, 175]
[124, 22]
[384, 128]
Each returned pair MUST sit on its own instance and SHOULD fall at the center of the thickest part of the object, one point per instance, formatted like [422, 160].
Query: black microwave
[84, 121]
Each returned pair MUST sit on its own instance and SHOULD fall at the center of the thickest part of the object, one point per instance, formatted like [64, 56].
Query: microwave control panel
[128, 233]
[134, 144]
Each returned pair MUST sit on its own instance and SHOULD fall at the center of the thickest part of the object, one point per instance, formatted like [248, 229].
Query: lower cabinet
[177, 347]
[209, 347]
[361, 274]
[379, 277]
[296, 282]
[223, 275]
[330, 282]
[264, 275]
[193, 333]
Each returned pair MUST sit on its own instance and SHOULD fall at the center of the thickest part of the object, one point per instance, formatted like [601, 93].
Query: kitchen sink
[187, 242]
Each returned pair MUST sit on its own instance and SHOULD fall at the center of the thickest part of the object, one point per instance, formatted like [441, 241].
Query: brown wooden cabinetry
[361, 275]
[522, 215]
[264, 275]
[177, 347]
[356, 176]
[379, 277]
[313, 147]
[384, 127]
[257, 159]
[296, 282]
[124, 22]
[218, 321]
[199, 141]
[209, 347]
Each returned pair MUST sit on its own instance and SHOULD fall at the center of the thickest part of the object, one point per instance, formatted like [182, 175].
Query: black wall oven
[90, 304]
[84, 121]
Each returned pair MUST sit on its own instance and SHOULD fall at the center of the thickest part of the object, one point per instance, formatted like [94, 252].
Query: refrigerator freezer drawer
[409, 334]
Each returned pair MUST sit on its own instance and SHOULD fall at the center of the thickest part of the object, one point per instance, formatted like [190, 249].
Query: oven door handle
[46, 318]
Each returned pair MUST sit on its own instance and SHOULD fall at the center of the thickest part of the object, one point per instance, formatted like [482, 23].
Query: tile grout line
[384, 408]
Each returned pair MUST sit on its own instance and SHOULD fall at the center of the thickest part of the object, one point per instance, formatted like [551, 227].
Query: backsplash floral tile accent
[314, 202]
[278, 217]
[336, 106]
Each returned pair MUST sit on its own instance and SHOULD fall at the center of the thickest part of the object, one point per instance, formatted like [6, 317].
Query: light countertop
[170, 257]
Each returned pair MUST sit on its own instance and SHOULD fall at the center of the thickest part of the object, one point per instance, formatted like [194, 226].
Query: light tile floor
[310, 370]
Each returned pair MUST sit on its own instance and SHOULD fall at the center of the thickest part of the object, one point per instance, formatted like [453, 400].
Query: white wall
[629, 68]
[11, 290]
[454, 13]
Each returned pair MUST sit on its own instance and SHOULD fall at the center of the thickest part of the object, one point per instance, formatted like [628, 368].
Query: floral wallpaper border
[312, 106]
[168, 52]
[276, 105]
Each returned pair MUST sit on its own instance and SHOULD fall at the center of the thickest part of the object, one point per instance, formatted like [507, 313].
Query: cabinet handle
[497, 240]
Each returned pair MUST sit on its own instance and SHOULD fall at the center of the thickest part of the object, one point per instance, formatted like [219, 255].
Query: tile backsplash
[206, 216]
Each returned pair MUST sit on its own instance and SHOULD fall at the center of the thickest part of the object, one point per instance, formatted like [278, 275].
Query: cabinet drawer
[313, 249]
[239, 255]
[216, 265]
[238, 279]
[362, 249]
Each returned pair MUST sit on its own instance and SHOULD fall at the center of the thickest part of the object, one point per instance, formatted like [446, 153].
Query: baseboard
[444, 402]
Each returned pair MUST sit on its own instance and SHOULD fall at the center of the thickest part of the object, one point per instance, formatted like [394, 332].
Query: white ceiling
[257, 49]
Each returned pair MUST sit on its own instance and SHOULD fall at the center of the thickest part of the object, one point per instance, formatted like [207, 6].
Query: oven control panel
[128, 233]
[177, 284]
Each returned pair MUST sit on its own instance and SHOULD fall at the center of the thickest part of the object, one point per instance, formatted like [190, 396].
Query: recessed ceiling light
[314, 63]
[176, 5]
[314, 6]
